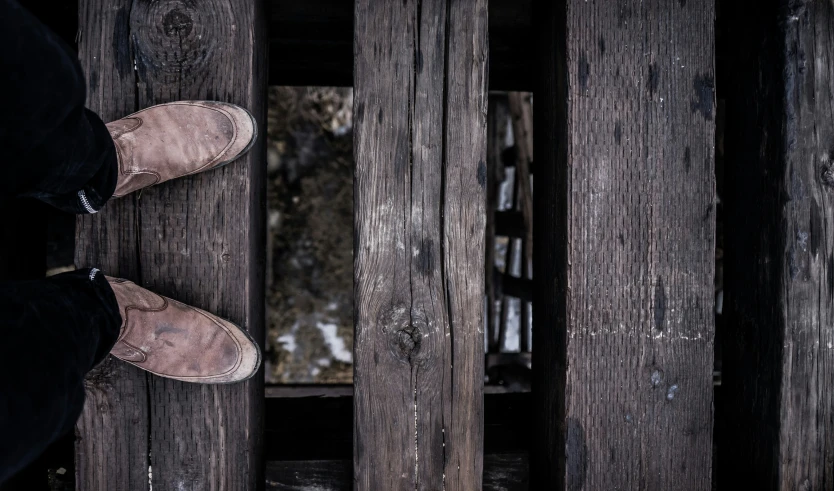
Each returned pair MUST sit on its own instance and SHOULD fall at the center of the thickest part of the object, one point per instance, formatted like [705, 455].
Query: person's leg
[53, 332]
[54, 149]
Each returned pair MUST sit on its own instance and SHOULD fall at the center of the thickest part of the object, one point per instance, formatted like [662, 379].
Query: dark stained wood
[624, 200]
[777, 423]
[199, 240]
[112, 432]
[420, 106]
[311, 43]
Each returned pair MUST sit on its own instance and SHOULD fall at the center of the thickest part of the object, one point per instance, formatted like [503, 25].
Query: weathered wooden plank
[420, 130]
[777, 422]
[624, 245]
[199, 239]
[112, 433]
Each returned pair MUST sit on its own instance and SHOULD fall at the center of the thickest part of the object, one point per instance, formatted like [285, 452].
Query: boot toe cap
[245, 130]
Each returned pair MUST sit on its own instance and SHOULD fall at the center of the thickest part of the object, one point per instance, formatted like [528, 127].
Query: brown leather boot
[172, 140]
[174, 340]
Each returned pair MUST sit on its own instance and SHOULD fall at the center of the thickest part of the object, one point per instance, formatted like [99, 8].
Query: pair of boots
[160, 335]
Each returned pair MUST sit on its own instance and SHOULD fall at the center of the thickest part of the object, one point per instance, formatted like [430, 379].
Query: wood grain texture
[624, 224]
[199, 240]
[778, 370]
[420, 138]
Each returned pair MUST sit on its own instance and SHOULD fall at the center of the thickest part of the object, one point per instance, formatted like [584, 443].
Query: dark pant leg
[52, 332]
[53, 148]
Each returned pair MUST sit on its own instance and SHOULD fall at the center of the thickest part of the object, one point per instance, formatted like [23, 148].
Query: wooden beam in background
[420, 138]
[624, 221]
[776, 419]
[199, 240]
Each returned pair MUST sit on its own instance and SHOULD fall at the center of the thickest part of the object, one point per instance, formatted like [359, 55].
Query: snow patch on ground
[334, 342]
[287, 340]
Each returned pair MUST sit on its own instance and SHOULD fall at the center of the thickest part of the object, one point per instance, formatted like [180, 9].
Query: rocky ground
[310, 235]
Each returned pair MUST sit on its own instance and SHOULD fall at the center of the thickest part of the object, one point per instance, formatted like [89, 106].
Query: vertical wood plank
[420, 139]
[624, 245]
[112, 432]
[199, 240]
[777, 428]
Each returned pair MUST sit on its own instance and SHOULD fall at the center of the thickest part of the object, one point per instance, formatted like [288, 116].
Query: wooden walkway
[624, 221]
[624, 247]
[200, 240]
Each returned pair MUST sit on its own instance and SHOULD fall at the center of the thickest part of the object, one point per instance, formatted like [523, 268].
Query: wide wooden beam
[420, 138]
[624, 230]
[776, 419]
[199, 240]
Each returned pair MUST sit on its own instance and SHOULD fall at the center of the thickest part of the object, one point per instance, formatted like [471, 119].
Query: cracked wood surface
[199, 240]
[777, 406]
[624, 220]
[420, 129]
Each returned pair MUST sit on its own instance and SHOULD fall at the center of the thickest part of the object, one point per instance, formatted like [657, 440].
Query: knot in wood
[655, 375]
[827, 175]
[408, 340]
[177, 23]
